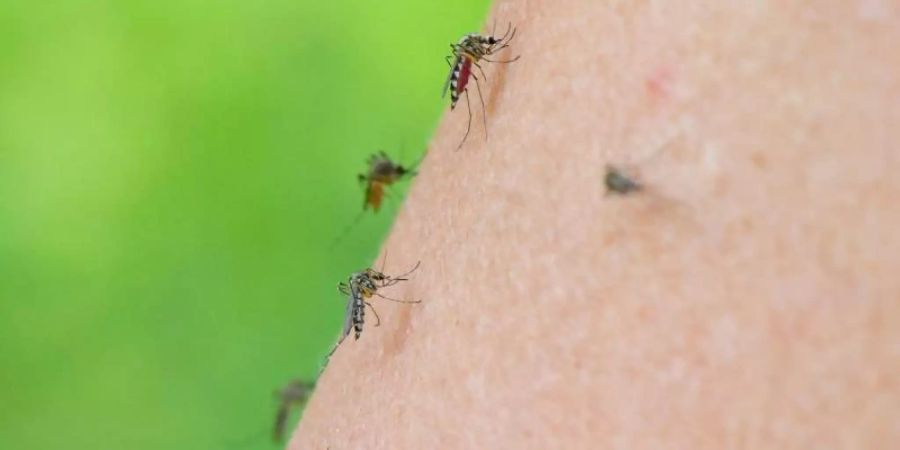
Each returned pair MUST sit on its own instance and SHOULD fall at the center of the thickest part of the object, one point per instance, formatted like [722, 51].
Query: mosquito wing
[450, 77]
[348, 313]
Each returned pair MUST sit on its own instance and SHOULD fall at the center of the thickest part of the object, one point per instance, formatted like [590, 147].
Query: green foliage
[171, 174]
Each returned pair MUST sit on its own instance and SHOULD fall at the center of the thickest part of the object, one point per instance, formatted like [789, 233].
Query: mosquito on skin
[619, 183]
[359, 287]
[468, 52]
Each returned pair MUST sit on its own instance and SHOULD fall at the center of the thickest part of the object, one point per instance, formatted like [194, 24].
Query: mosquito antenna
[418, 263]
[403, 277]
[505, 44]
[510, 36]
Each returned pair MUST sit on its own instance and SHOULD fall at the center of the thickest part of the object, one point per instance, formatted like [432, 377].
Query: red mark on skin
[658, 86]
[464, 72]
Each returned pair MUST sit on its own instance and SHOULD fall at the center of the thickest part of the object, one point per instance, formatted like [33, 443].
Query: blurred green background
[171, 176]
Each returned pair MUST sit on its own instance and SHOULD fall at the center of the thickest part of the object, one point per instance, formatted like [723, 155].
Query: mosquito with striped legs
[359, 287]
[471, 50]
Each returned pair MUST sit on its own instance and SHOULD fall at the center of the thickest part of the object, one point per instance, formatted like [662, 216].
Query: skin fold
[747, 297]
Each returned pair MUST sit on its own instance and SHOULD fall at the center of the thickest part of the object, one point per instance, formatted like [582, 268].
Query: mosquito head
[366, 281]
[495, 44]
[374, 275]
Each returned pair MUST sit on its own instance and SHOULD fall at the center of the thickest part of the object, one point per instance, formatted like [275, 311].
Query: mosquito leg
[469, 124]
[348, 229]
[395, 300]
[480, 69]
[483, 110]
[377, 319]
[389, 194]
[383, 261]
[502, 62]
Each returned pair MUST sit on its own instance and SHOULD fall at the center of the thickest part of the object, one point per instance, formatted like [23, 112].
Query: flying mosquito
[291, 396]
[359, 287]
[381, 173]
[468, 52]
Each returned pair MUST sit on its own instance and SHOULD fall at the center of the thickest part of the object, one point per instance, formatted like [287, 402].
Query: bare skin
[748, 297]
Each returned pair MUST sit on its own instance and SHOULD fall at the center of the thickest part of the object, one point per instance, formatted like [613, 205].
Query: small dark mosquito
[468, 52]
[359, 287]
[619, 183]
[382, 173]
[291, 396]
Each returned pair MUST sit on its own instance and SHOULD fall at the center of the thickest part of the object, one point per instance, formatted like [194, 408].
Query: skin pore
[747, 297]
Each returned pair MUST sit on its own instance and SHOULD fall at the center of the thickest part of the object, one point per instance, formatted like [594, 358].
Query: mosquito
[620, 183]
[382, 173]
[468, 52]
[293, 395]
[359, 287]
